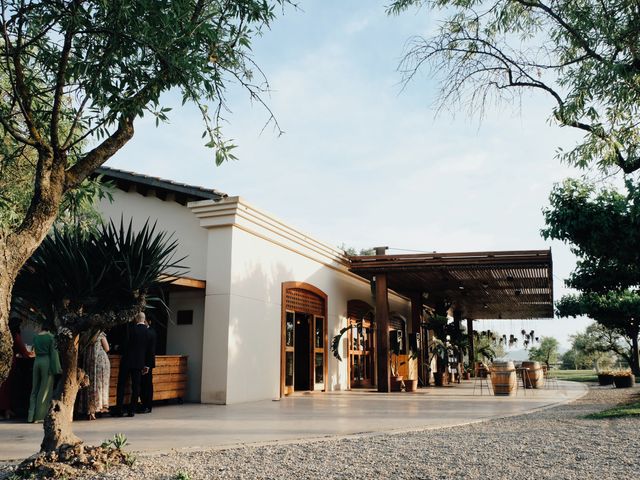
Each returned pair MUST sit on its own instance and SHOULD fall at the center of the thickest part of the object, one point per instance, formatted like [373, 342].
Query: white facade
[245, 256]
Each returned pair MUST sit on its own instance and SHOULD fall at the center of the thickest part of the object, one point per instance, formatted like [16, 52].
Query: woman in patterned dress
[95, 398]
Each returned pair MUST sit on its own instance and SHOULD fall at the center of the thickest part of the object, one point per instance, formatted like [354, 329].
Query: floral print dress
[95, 398]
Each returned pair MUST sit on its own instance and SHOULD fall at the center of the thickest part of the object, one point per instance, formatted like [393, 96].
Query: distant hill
[517, 355]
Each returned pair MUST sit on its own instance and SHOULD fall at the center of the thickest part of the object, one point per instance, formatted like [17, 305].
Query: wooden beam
[185, 282]
[382, 330]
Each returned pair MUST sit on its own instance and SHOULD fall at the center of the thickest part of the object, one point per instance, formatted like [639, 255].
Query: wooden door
[361, 353]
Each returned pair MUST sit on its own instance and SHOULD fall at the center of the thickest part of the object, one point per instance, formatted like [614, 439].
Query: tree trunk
[634, 364]
[58, 423]
[6, 342]
[15, 249]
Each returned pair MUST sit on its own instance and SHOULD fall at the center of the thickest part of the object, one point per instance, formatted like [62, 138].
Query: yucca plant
[80, 283]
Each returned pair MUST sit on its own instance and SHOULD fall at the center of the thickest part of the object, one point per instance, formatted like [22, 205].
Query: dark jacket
[151, 348]
[134, 354]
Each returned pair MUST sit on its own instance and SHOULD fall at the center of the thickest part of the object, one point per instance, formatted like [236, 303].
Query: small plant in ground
[129, 459]
[118, 441]
[182, 476]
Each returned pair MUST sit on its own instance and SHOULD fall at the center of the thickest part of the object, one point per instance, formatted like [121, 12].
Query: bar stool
[526, 379]
[481, 376]
[550, 379]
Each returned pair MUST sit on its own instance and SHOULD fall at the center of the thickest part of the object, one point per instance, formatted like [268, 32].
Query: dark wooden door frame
[323, 296]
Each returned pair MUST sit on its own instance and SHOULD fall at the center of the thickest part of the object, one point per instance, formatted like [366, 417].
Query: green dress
[45, 366]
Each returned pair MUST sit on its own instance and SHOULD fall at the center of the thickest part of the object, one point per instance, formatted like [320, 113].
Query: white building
[261, 300]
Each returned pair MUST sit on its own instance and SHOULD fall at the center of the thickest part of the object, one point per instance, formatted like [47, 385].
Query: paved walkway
[299, 417]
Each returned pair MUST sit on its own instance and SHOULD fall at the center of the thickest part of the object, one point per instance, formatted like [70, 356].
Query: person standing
[95, 398]
[146, 392]
[132, 364]
[45, 367]
[19, 350]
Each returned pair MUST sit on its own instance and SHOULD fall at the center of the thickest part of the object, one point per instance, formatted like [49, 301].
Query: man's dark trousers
[123, 375]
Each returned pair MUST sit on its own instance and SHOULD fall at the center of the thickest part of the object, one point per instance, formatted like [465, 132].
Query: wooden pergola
[473, 285]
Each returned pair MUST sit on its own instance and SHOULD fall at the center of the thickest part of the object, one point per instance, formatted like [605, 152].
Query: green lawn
[576, 375]
[628, 410]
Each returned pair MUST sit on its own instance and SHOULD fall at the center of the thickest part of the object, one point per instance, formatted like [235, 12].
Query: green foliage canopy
[584, 55]
[593, 348]
[74, 278]
[95, 66]
[547, 352]
[602, 226]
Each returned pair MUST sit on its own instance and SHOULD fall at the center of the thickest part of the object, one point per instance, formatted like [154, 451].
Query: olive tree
[78, 283]
[75, 75]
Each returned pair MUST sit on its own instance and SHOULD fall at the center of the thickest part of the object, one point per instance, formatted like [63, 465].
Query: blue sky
[364, 162]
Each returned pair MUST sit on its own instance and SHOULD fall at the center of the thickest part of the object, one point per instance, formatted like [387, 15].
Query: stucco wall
[264, 254]
[187, 339]
[171, 217]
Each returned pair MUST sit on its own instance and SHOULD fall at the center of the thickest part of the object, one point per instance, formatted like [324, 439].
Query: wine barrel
[503, 378]
[536, 375]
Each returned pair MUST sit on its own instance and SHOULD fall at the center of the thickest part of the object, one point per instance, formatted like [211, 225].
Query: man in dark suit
[132, 363]
[146, 392]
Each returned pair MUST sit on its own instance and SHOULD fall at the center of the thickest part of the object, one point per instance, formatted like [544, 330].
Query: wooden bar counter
[169, 378]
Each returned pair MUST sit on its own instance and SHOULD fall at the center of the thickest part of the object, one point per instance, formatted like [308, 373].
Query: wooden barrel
[503, 378]
[536, 375]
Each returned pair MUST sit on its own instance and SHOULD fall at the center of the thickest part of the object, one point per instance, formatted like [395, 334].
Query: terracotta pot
[410, 385]
[396, 383]
[605, 379]
[624, 382]
[439, 378]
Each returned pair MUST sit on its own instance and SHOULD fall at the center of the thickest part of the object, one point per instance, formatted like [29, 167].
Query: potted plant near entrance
[397, 383]
[624, 379]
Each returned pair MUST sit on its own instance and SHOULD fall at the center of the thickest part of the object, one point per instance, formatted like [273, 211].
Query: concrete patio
[299, 417]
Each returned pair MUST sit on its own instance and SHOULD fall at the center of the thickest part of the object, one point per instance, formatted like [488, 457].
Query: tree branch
[100, 154]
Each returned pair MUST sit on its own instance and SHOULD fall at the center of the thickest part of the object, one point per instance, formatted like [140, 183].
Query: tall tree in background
[75, 75]
[584, 55]
[547, 352]
[596, 347]
[602, 228]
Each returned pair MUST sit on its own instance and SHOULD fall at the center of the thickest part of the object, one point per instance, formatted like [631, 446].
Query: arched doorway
[362, 342]
[303, 362]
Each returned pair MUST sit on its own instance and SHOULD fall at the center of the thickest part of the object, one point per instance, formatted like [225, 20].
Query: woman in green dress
[45, 366]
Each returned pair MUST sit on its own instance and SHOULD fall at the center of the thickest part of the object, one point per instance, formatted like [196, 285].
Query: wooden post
[416, 312]
[382, 330]
[471, 345]
[457, 318]
[414, 328]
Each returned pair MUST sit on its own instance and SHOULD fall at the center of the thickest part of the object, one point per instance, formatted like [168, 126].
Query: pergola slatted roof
[481, 285]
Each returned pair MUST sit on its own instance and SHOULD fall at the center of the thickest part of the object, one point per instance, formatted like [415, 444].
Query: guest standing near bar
[146, 392]
[95, 398]
[19, 350]
[46, 365]
[132, 364]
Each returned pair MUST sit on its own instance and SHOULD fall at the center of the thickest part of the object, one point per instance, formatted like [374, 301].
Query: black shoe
[117, 413]
[131, 414]
[145, 410]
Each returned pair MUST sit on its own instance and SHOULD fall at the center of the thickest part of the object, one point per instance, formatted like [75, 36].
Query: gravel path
[556, 443]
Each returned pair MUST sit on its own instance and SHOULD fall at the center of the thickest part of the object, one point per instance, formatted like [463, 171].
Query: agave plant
[80, 283]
